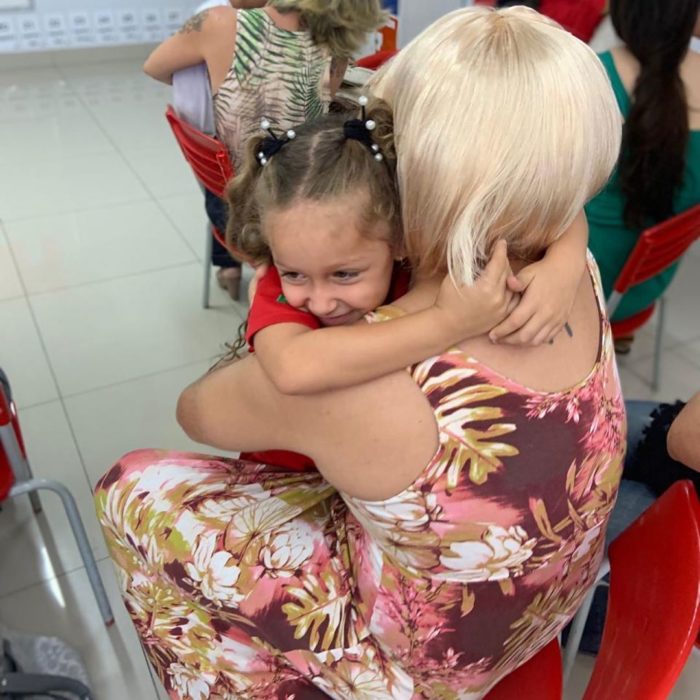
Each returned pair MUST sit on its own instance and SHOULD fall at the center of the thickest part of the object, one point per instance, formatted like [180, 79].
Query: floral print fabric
[246, 581]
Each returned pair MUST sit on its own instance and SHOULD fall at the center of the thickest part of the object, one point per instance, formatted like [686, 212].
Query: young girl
[321, 203]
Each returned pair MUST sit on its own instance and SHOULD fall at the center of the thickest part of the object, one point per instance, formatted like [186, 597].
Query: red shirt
[270, 307]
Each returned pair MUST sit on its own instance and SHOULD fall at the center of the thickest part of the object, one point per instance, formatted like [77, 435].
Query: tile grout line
[71, 90]
[50, 366]
[124, 159]
[49, 579]
[105, 280]
[149, 375]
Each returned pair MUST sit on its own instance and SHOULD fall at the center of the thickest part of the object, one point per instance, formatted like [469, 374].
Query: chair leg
[656, 372]
[18, 462]
[207, 265]
[80, 535]
[579, 622]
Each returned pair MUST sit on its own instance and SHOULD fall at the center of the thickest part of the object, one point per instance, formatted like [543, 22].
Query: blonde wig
[505, 125]
[341, 25]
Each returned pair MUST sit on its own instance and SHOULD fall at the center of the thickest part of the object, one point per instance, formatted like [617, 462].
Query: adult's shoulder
[218, 18]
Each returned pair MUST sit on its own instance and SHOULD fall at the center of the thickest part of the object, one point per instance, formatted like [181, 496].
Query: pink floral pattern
[246, 581]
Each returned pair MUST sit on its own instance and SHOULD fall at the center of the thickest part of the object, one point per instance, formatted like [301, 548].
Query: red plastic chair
[211, 164]
[580, 17]
[653, 616]
[540, 677]
[16, 479]
[375, 60]
[656, 250]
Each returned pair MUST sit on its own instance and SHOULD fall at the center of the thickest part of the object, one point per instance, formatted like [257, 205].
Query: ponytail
[243, 228]
[656, 131]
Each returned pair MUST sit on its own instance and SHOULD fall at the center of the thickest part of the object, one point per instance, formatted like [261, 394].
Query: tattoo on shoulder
[194, 23]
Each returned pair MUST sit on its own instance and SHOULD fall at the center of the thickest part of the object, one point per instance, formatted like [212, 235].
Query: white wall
[55, 24]
[416, 15]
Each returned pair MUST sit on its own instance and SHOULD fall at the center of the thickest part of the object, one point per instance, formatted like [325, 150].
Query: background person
[656, 80]
[282, 61]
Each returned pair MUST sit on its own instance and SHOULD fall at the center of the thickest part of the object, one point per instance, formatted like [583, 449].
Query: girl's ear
[399, 250]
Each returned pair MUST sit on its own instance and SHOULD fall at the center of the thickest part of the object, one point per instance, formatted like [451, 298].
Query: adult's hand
[683, 438]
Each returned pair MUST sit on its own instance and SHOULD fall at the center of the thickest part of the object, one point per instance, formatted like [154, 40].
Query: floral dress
[246, 581]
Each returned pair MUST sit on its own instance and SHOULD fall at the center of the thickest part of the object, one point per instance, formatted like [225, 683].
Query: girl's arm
[548, 290]
[300, 361]
[199, 37]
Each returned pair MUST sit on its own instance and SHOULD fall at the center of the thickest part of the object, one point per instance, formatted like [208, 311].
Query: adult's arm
[683, 439]
[338, 68]
[370, 441]
[204, 37]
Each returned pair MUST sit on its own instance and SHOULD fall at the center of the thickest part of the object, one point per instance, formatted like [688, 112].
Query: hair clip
[360, 130]
[272, 143]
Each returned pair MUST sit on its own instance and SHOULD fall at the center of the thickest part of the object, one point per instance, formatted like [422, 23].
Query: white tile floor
[101, 236]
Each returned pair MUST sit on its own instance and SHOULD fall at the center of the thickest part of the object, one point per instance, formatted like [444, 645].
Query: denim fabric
[216, 211]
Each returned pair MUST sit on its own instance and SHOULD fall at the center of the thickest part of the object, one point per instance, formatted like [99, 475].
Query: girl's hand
[471, 310]
[260, 272]
[548, 296]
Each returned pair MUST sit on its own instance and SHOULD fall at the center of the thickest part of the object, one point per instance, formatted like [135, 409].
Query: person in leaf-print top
[281, 60]
[459, 515]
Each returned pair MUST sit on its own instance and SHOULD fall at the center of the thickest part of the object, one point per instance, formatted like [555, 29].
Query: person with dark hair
[656, 79]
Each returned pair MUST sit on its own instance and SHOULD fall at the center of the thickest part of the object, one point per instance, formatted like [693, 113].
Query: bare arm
[370, 441]
[338, 68]
[683, 439]
[201, 37]
[549, 289]
[302, 361]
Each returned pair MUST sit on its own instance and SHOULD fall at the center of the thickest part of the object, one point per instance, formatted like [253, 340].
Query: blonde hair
[505, 125]
[341, 25]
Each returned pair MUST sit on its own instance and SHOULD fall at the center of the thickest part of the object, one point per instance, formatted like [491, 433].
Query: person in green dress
[656, 79]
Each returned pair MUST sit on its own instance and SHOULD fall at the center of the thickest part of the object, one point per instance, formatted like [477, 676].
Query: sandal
[623, 344]
[229, 278]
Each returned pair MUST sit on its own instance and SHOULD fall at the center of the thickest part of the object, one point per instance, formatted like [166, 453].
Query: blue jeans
[217, 213]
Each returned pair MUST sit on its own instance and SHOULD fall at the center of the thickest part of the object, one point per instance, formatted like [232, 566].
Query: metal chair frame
[26, 484]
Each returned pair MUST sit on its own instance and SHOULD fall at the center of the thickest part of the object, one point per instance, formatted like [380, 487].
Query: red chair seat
[540, 677]
[373, 61]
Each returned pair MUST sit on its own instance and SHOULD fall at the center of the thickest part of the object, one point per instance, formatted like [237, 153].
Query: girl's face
[327, 265]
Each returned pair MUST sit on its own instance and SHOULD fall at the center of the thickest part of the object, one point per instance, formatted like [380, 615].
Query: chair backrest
[208, 157]
[9, 434]
[375, 60]
[657, 249]
[653, 614]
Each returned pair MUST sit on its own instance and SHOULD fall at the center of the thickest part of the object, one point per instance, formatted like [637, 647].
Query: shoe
[229, 278]
[623, 345]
